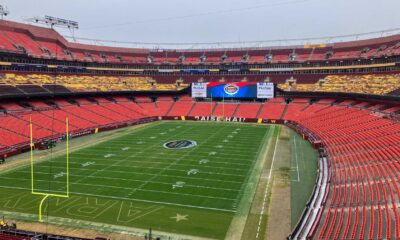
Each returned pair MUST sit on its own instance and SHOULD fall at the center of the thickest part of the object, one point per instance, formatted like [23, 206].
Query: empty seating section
[131, 106]
[86, 83]
[117, 107]
[38, 104]
[364, 153]
[82, 111]
[45, 43]
[225, 109]
[8, 138]
[25, 41]
[294, 110]
[159, 108]
[5, 43]
[42, 83]
[10, 106]
[181, 108]
[202, 109]
[45, 120]
[59, 116]
[367, 84]
[106, 113]
[163, 107]
[248, 110]
[21, 127]
[272, 110]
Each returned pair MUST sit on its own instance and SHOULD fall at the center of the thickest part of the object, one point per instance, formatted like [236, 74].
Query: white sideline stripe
[297, 162]
[266, 189]
[133, 199]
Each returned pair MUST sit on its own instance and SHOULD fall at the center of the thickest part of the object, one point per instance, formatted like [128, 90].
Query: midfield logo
[180, 144]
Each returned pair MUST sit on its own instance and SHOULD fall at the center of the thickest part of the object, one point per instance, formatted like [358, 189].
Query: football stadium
[104, 139]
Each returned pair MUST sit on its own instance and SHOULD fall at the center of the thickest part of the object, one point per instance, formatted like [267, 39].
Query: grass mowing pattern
[128, 180]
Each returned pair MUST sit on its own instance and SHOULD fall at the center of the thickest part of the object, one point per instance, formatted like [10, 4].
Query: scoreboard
[233, 90]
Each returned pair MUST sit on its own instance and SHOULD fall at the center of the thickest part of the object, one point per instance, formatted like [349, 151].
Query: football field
[179, 177]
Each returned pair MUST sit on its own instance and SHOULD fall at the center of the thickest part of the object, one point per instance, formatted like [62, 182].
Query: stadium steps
[323, 109]
[284, 112]
[260, 110]
[12, 131]
[305, 108]
[133, 110]
[80, 117]
[112, 110]
[236, 109]
[213, 110]
[33, 123]
[98, 114]
[169, 110]
[9, 39]
[191, 110]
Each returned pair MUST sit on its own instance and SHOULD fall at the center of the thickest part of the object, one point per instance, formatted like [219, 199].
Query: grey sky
[237, 20]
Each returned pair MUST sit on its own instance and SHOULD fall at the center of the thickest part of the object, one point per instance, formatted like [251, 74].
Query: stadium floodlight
[56, 22]
[3, 11]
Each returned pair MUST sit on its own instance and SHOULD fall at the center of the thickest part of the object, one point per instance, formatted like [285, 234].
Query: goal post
[46, 195]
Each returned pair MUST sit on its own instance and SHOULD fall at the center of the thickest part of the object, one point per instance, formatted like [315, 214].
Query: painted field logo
[180, 144]
[231, 89]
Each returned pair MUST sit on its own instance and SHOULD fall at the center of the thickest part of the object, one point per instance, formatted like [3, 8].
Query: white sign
[199, 90]
[265, 90]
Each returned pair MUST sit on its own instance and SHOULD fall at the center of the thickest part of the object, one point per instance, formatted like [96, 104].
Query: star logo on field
[180, 217]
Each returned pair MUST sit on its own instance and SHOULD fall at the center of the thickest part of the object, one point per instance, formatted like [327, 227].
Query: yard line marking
[135, 199]
[297, 162]
[266, 189]
[87, 164]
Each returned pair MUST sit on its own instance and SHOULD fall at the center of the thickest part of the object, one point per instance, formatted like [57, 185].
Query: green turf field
[133, 180]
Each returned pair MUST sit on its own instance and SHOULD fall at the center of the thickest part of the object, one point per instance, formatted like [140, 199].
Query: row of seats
[88, 83]
[23, 40]
[43, 83]
[368, 84]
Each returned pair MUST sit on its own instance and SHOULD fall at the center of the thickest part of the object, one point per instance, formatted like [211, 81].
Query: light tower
[3, 11]
[56, 22]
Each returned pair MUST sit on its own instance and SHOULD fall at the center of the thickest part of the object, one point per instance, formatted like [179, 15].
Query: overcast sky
[213, 20]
